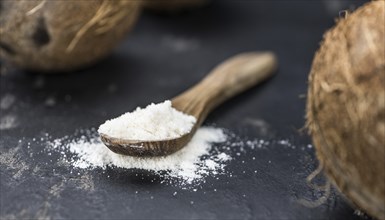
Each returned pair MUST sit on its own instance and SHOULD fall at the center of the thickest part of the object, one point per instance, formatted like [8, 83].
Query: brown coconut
[172, 6]
[50, 35]
[346, 106]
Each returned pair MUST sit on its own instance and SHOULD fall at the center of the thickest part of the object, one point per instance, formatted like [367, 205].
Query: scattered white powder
[155, 122]
[192, 163]
[208, 154]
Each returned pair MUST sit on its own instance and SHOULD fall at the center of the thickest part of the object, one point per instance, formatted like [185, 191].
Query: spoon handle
[228, 79]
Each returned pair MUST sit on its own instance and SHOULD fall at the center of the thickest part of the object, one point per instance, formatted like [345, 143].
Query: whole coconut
[346, 106]
[172, 5]
[50, 35]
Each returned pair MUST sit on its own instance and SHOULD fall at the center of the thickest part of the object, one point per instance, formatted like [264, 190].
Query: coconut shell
[50, 35]
[346, 106]
[172, 5]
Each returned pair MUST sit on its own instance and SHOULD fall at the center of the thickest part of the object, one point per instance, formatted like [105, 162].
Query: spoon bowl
[228, 79]
[146, 148]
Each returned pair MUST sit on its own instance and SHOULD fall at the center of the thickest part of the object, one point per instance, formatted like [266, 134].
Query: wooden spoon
[225, 81]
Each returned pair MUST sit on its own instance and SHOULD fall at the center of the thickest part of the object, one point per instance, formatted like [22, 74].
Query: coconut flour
[205, 155]
[155, 122]
[208, 154]
[192, 163]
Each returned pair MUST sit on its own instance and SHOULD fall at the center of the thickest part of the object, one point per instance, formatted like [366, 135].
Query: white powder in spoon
[155, 122]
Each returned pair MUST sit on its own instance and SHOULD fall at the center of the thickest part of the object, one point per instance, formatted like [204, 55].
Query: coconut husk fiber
[51, 36]
[346, 107]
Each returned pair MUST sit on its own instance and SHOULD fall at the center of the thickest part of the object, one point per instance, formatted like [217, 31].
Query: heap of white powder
[187, 164]
[207, 154]
[197, 160]
[155, 122]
